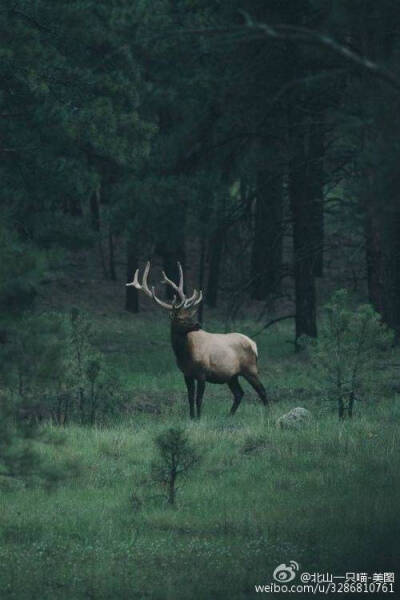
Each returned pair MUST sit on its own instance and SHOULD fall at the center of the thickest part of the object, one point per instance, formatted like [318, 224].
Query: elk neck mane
[179, 338]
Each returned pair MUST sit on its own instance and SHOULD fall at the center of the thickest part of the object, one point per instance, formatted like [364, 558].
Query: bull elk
[201, 356]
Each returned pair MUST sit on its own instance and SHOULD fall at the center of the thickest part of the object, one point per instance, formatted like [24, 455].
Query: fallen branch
[272, 322]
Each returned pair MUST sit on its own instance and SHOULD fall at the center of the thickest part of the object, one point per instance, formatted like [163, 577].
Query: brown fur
[213, 358]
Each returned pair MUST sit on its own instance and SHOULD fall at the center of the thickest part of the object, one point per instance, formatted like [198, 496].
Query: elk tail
[254, 347]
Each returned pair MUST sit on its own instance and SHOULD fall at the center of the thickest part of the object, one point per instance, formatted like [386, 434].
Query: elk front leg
[199, 395]
[237, 392]
[190, 384]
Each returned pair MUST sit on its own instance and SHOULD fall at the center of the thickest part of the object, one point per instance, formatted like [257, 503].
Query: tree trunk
[171, 487]
[266, 260]
[315, 175]
[382, 245]
[201, 273]
[380, 174]
[216, 247]
[351, 405]
[73, 207]
[373, 249]
[172, 245]
[95, 209]
[131, 293]
[303, 228]
[215, 255]
[111, 258]
[341, 408]
[391, 260]
[171, 256]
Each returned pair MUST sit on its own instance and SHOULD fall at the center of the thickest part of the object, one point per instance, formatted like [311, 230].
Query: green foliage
[25, 448]
[49, 364]
[94, 386]
[177, 456]
[70, 113]
[350, 344]
[232, 527]
[49, 370]
[34, 361]
[171, 134]
[17, 457]
[21, 267]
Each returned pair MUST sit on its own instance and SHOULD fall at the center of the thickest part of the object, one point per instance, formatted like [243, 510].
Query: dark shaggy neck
[179, 338]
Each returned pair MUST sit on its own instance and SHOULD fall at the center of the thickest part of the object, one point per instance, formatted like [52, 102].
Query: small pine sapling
[176, 457]
[347, 349]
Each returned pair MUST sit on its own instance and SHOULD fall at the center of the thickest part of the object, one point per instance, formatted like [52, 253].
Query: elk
[202, 356]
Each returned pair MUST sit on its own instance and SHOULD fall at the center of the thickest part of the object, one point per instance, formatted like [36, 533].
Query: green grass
[326, 496]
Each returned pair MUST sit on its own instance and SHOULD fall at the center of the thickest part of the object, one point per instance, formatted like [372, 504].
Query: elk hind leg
[237, 392]
[256, 384]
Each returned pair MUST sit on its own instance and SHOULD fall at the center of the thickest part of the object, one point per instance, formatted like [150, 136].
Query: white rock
[295, 418]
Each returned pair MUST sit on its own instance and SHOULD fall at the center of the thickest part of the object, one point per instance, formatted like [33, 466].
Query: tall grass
[326, 496]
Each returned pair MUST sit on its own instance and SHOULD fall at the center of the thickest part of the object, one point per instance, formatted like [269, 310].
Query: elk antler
[145, 288]
[176, 288]
[194, 299]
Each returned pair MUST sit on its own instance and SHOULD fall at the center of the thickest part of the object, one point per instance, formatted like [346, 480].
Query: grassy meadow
[326, 496]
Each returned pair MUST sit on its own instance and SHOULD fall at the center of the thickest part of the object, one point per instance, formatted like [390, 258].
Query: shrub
[346, 352]
[16, 453]
[176, 456]
[51, 368]
[34, 360]
[96, 388]
[22, 458]
[21, 268]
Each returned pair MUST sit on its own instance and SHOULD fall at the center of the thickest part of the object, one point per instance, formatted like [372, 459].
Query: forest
[250, 152]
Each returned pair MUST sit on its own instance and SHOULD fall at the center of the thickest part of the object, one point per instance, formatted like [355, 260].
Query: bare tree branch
[308, 36]
[304, 36]
[272, 322]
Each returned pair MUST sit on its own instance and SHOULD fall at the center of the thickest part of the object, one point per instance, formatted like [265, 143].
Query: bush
[22, 458]
[21, 267]
[346, 352]
[51, 369]
[34, 360]
[176, 456]
[16, 453]
[96, 388]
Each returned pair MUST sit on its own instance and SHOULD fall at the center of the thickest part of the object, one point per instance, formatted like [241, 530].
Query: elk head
[181, 309]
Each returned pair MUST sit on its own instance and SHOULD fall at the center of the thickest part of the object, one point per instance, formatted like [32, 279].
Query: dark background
[267, 163]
